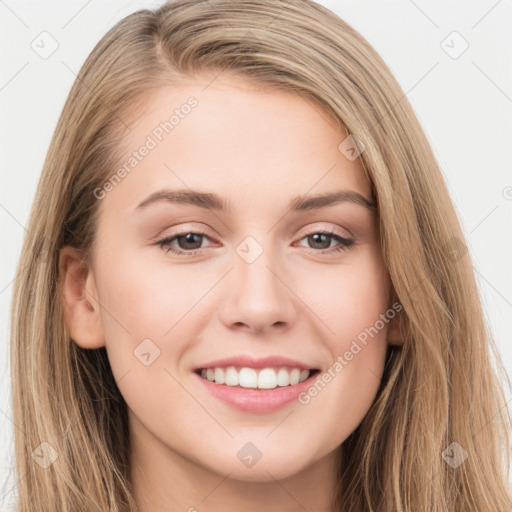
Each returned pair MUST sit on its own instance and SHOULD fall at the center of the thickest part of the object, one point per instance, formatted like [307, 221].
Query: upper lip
[252, 362]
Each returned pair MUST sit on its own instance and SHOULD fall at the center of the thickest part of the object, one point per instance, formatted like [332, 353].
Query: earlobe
[79, 297]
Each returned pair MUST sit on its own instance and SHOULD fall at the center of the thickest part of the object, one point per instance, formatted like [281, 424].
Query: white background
[464, 105]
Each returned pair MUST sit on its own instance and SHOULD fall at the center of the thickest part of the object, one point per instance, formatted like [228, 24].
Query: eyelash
[346, 243]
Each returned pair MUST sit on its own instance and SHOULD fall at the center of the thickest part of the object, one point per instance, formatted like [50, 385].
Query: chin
[268, 468]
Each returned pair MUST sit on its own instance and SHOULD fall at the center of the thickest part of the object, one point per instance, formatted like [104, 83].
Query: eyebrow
[212, 201]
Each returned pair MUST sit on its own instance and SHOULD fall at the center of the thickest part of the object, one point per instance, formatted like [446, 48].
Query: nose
[257, 296]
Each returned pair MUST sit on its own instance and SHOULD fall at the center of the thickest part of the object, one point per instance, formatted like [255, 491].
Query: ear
[78, 292]
[394, 333]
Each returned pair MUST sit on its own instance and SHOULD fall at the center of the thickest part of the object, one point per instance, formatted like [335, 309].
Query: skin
[258, 149]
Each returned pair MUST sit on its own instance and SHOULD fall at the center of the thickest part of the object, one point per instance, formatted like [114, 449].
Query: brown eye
[320, 241]
[187, 243]
[190, 241]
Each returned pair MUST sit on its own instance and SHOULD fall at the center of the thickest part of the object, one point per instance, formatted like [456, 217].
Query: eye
[324, 239]
[190, 242]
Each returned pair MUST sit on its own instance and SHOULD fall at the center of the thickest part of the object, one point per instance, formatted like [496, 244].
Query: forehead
[235, 137]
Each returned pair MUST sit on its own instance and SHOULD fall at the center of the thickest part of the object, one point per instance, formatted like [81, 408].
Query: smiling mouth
[256, 378]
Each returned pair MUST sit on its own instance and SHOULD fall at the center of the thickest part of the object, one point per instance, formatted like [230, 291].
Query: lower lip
[257, 400]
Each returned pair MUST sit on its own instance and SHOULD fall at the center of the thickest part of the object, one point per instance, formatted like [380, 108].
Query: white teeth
[231, 376]
[283, 377]
[294, 376]
[248, 378]
[266, 378]
[219, 376]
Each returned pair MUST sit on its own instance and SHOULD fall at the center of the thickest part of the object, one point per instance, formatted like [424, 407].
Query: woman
[256, 370]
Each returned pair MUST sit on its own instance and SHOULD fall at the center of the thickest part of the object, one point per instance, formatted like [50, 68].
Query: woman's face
[269, 275]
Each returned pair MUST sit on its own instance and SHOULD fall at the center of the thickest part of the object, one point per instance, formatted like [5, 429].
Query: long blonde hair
[439, 388]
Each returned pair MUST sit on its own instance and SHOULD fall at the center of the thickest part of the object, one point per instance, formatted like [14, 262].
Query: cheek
[343, 400]
[148, 299]
[144, 307]
[346, 299]
[342, 393]
[352, 303]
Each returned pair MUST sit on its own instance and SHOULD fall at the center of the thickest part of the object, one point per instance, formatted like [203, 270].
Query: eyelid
[333, 230]
[184, 229]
